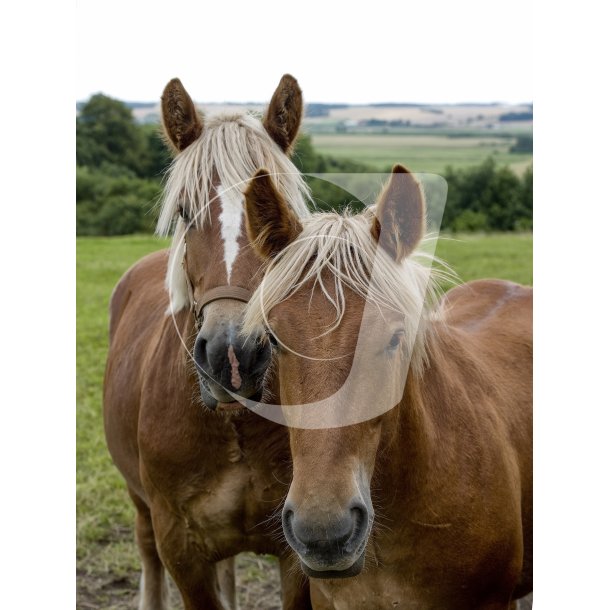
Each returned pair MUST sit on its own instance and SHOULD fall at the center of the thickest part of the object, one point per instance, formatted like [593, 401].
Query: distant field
[436, 115]
[504, 256]
[428, 140]
[449, 114]
[107, 563]
[421, 153]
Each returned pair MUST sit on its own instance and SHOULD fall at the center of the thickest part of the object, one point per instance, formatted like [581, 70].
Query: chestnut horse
[204, 474]
[412, 487]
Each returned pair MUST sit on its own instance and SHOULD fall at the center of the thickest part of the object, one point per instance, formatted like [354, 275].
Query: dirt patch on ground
[108, 591]
[258, 587]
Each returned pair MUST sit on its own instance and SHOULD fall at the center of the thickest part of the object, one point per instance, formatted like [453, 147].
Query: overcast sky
[430, 51]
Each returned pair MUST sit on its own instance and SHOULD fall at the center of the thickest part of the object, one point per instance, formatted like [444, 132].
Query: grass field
[420, 153]
[107, 563]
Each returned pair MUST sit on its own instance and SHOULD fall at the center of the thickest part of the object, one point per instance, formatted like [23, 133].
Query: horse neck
[426, 427]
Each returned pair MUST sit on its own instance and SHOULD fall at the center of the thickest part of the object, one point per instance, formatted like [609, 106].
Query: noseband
[236, 293]
[220, 292]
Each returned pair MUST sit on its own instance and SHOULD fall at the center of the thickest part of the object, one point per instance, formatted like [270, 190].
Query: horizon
[310, 102]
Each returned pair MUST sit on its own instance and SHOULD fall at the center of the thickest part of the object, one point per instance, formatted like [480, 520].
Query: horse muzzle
[230, 366]
[329, 546]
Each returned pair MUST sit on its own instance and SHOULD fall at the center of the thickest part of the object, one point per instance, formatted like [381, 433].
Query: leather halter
[213, 294]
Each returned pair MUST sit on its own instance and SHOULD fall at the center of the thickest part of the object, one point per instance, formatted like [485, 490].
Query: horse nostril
[200, 354]
[359, 513]
[287, 515]
[287, 518]
[360, 521]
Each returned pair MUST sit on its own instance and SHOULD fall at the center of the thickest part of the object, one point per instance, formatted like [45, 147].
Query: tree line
[120, 166]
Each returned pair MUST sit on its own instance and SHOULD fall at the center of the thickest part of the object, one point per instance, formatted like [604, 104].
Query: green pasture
[506, 256]
[107, 561]
[420, 153]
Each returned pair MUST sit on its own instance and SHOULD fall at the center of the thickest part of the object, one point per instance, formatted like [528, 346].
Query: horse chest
[223, 500]
[232, 511]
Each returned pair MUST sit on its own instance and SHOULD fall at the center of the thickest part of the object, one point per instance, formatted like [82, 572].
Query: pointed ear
[283, 117]
[270, 223]
[399, 222]
[181, 121]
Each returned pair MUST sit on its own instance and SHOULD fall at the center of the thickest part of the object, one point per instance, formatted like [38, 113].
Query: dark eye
[183, 213]
[395, 340]
[272, 338]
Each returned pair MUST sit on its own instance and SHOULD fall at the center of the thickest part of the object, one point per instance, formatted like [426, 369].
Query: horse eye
[395, 340]
[183, 213]
[272, 338]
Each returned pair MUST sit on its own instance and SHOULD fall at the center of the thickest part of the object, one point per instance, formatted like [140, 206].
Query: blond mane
[228, 152]
[342, 245]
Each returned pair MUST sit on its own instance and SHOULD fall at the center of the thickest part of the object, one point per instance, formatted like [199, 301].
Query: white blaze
[231, 212]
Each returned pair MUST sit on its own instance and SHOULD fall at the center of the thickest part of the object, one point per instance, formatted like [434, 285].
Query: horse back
[492, 322]
[487, 306]
[490, 325]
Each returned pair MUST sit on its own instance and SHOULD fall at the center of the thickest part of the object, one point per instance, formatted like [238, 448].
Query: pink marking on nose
[235, 377]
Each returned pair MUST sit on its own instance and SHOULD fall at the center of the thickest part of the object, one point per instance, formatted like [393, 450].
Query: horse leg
[226, 580]
[198, 583]
[153, 582]
[295, 585]
[203, 584]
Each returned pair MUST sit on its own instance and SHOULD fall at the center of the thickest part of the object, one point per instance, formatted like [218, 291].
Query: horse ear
[181, 121]
[283, 117]
[270, 223]
[399, 222]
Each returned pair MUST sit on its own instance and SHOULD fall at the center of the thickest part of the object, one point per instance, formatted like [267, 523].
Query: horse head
[213, 268]
[343, 313]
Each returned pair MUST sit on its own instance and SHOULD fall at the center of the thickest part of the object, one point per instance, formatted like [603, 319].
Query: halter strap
[236, 293]
[225, 292]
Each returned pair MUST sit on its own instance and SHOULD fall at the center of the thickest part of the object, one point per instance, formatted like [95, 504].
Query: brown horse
[410, 422]
[204, 474]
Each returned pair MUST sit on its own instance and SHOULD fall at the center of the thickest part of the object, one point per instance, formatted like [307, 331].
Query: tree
[106, 133]
[114, 204]
[306, 159]
[119, 169]
[495, 198]
[157, 157]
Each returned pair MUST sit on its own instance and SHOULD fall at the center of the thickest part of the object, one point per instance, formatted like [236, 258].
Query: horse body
[456, 512]
[210, 480]
[428, 504]
[204, 474]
